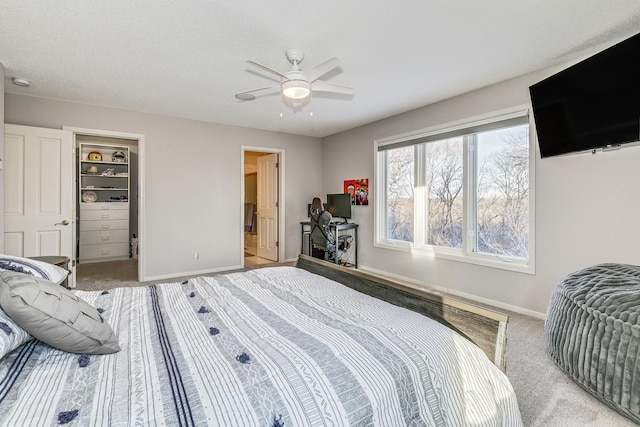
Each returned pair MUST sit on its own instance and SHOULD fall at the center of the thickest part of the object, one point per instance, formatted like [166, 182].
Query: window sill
[454, 255]
[488, 261]
[394, 245]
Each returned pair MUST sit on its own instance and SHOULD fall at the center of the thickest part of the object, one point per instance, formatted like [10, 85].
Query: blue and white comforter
[273, 347]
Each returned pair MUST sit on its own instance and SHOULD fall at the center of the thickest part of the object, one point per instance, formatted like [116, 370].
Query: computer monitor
[339, 205]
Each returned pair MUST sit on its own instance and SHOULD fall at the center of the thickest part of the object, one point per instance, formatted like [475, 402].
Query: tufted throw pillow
[55, 315]
[51, 272]
[12, 336]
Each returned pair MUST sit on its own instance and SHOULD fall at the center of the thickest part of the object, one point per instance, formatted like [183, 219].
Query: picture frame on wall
[359, 191]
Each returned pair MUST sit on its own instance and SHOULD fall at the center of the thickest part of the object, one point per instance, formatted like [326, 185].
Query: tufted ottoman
[593, 333]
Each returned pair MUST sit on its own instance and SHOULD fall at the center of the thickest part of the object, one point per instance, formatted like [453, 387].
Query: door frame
[140, 184]
[281, 198]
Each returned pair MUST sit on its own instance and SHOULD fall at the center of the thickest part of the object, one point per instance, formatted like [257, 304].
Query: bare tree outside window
[503, 192]
[473, 191]
[400, 195]
[444, 182]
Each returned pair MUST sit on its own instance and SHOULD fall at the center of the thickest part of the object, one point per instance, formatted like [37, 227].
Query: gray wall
[193, 174]
[587, 206]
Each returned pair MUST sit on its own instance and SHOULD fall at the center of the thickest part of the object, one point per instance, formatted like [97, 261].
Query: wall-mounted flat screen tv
[339, 205]
[593, 104]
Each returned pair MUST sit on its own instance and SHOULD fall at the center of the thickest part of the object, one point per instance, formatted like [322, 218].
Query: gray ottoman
[593, 333]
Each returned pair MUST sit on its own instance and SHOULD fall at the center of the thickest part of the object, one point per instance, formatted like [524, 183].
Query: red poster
[359, 190]
[350, 187]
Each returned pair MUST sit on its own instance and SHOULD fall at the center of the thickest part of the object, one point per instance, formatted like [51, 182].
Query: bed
[271, 347]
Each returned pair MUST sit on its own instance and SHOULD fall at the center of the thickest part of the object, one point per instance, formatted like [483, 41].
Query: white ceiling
[188, 58]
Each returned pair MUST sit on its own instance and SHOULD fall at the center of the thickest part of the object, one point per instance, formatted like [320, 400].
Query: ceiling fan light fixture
[296, 89]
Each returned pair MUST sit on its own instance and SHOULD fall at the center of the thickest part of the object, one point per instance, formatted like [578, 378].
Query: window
[462, 191]
[399, 185]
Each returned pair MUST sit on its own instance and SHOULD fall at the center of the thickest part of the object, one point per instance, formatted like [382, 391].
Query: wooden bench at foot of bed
[486, 328]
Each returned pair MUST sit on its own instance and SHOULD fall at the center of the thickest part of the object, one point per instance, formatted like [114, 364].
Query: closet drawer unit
[104, 252]
[104, 215]
[104, 206]
[104, 236]
[114, 224]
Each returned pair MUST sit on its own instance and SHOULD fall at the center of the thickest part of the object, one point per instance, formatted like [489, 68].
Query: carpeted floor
[546, 396]
[106, 275]
[114, 274]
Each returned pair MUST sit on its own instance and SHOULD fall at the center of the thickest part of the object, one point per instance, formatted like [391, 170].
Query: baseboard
[192, 273]
[447, 291]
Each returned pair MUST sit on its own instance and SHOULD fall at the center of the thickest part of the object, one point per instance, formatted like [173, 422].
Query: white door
[268, 207]
[38, 192]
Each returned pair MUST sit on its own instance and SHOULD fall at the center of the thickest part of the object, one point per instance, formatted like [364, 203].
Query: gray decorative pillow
[35, 268]
[55, 315]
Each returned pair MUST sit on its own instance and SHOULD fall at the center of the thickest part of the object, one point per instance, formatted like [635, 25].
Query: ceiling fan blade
[322, 86]
[322, 69]
[264, 67]
[249, 96]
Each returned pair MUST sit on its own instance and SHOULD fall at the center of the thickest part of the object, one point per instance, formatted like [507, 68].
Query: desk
[60, 261]
[341, 231]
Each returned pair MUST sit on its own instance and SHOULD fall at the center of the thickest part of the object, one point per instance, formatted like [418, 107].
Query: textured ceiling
[188, 59]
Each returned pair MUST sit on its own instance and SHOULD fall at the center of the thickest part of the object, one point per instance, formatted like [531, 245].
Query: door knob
[64, 222]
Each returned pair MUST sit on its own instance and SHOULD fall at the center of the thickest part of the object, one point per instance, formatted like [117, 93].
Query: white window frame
[466, 253]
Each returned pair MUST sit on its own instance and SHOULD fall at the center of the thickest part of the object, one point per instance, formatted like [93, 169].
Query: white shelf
[92, 175]
[103, 162]
[103, 189]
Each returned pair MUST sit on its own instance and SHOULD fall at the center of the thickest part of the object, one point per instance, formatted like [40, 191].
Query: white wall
[193, 180]
[587, 206]
[2, 157]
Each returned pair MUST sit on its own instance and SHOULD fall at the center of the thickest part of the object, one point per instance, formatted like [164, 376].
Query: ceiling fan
[296, 84]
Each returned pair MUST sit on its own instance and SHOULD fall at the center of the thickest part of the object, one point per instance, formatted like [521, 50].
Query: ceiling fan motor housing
[295, 55]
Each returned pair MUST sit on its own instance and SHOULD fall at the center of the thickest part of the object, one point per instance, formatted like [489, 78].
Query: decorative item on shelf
[92, 169]
[89, 196]
[108, 172]
[118, 157]
[118, 199]
[94, 156]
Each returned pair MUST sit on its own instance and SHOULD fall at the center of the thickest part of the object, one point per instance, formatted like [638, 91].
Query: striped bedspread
[272, 347]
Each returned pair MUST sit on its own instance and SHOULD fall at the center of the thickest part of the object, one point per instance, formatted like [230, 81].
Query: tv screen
[339, 205]
[593, 104]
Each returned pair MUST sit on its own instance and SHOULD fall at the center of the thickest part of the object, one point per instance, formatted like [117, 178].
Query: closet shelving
[103, 180]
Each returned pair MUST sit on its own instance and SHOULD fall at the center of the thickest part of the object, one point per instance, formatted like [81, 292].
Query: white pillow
[44, 270]
[55, 315]
[12, 336]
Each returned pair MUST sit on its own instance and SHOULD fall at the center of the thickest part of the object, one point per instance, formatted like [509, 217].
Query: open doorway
[261, 208]
[108, 228]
